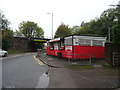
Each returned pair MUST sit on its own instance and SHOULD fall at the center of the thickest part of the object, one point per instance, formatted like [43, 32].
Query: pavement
[61, 76]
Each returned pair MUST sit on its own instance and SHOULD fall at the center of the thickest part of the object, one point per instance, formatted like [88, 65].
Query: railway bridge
[28, 44]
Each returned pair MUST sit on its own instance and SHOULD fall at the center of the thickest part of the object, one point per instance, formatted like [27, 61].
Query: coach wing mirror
[61, 48]
[51, 48]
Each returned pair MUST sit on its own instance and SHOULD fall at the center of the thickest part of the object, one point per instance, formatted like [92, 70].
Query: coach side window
[85, 42]
[97, 43]
[68, 41]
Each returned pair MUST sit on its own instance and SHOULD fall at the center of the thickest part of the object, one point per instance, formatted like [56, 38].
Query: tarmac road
[23, 71]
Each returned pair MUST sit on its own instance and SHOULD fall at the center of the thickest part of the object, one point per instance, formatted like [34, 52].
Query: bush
[116, 33]
[5, 44]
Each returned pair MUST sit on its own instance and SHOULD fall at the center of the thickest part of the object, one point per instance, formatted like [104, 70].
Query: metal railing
[79, 59]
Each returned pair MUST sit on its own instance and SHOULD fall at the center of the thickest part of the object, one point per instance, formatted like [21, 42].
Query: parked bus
[77, 47]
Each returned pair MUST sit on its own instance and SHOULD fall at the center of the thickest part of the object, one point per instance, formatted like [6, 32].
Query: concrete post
[38, 52]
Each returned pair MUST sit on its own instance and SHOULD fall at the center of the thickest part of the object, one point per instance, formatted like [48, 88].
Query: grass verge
[10, 51]
[81, 66]
[91, 67]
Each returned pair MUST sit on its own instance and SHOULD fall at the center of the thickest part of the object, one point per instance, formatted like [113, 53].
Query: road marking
[13, 56]
[38, 61]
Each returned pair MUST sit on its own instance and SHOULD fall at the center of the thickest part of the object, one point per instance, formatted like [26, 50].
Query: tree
[75, 29]
[30, 29]
[6, 33]
[18, 33]
[83, 29]
[4, 23]
[116, 27]
[99, 26]
[62, 30]
[7, 36]
[94, 27]
[116, 33]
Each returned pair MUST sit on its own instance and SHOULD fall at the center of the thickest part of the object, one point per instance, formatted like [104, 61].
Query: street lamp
[52, 23]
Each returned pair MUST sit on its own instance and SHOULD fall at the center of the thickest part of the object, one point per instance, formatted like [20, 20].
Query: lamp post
[52, 24]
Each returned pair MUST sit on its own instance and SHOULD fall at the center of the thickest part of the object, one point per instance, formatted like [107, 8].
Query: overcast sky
[70, 12]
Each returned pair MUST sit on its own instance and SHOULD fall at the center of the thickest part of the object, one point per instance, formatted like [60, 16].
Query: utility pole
[109, 34]
[52, 25]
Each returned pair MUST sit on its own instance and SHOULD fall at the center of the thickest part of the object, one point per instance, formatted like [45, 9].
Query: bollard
[38, 52]
[93, 59]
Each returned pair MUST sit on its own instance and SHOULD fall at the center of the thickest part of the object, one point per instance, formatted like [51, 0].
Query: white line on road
[13, 56]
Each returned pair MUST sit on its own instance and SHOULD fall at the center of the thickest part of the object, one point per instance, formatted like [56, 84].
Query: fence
[116, 58]
[81, 61]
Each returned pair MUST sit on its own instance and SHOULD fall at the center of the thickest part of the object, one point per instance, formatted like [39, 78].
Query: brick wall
[20, 44]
